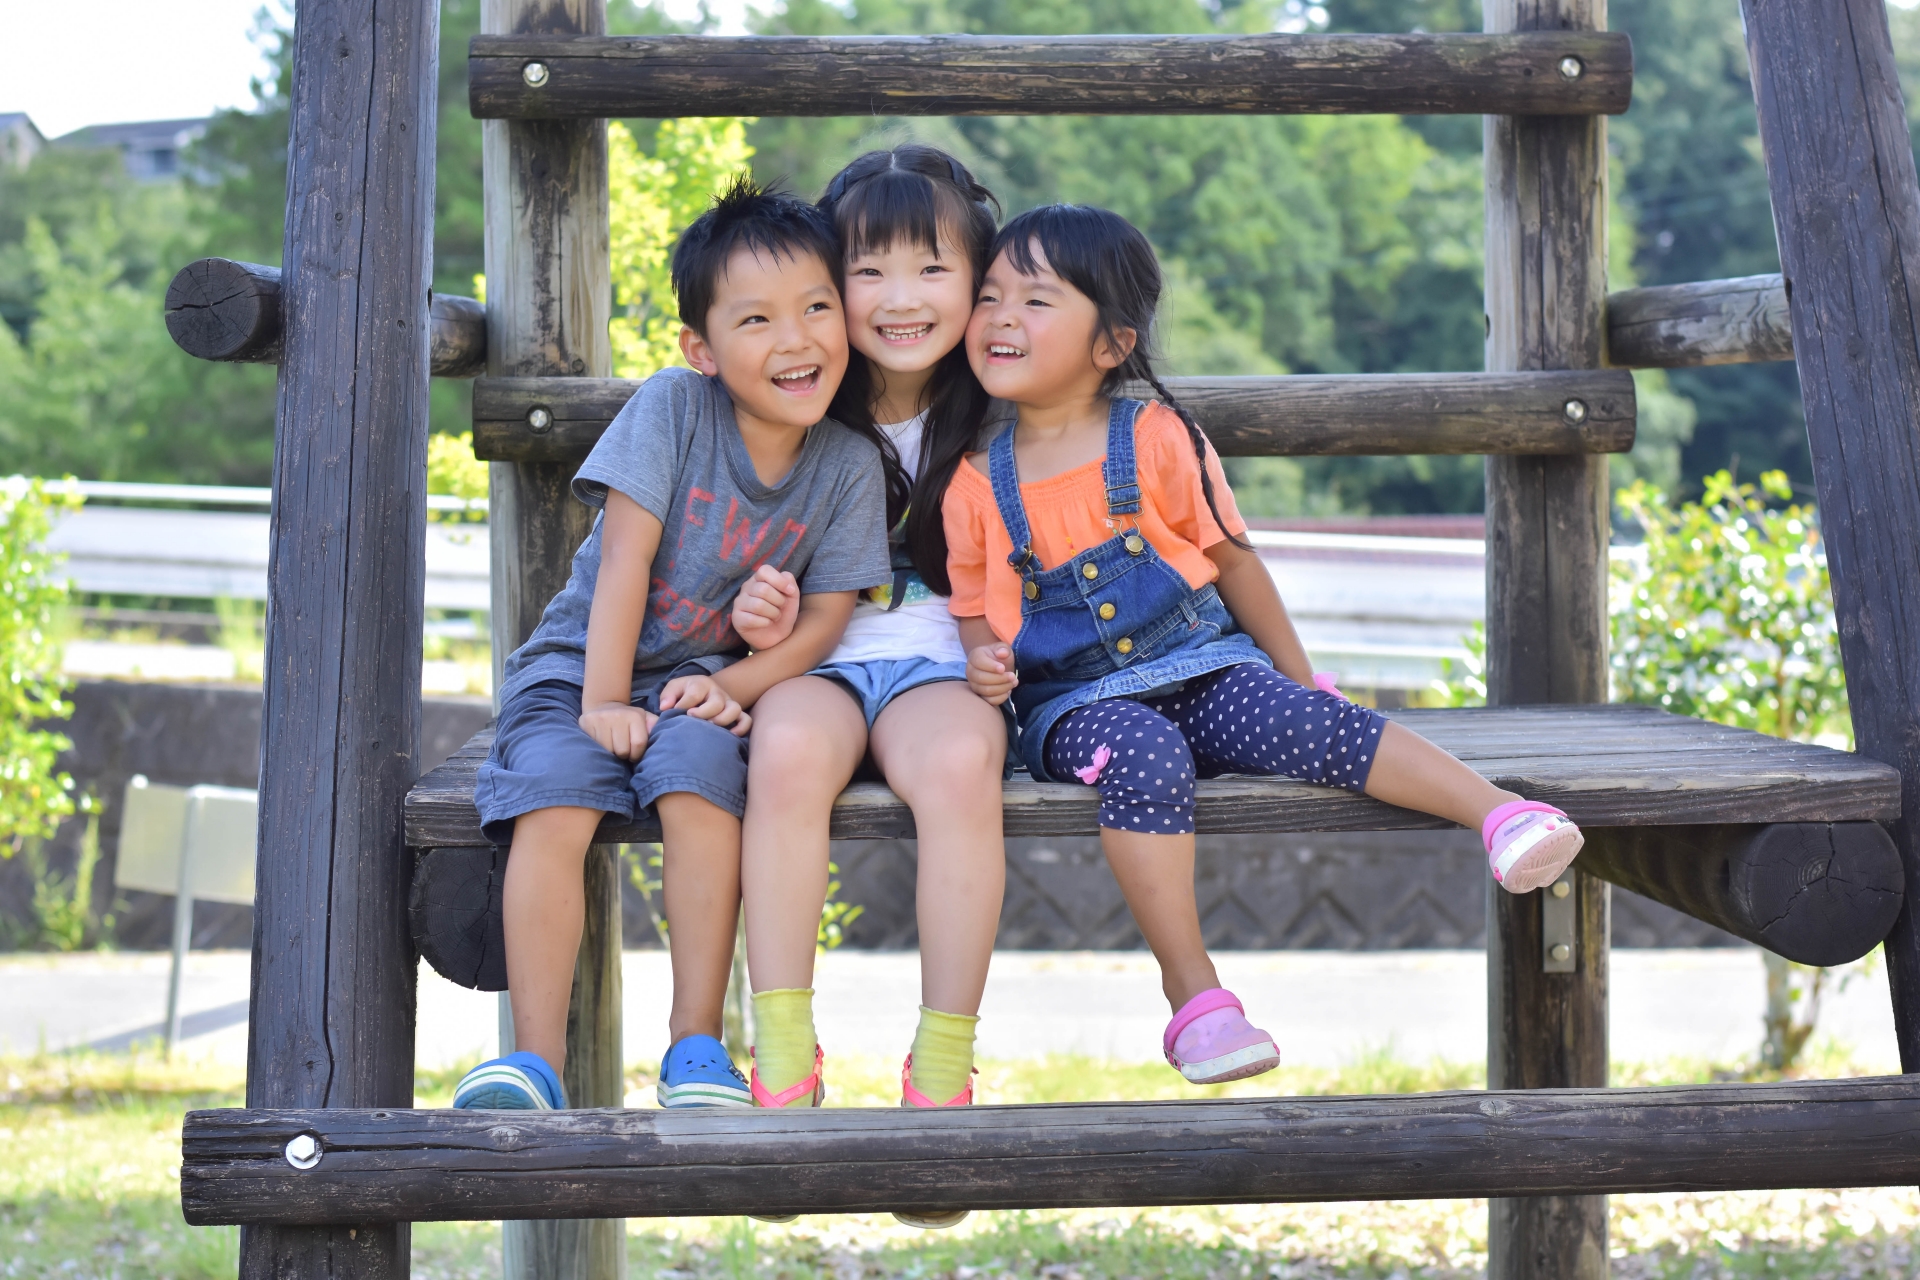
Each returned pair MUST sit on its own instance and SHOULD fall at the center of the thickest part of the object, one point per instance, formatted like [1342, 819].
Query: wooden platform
[1607, 766]
[401, 1166]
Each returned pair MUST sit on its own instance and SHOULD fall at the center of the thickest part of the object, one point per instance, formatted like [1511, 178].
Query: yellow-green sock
[943, 1053]
[783, 1039]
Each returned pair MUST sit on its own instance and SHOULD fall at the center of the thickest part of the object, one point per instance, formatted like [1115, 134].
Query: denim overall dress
[1116, 621]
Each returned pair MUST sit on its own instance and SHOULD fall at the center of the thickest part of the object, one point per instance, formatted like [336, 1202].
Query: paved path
[1324, 1006]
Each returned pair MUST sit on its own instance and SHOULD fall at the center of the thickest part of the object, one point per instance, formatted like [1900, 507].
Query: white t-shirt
[920, 627]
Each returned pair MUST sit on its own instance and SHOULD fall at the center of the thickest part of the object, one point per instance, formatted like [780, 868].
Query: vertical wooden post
[1547, 526]
[548, 302]
[1846, 212]
[332, 1002]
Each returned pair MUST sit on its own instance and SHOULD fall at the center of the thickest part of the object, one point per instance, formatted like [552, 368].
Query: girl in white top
[915, 227]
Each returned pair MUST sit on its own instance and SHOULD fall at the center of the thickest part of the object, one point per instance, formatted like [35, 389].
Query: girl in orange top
[1102, 584]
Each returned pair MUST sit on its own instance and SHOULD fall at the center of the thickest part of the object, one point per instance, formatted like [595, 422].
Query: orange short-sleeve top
[1068, 515]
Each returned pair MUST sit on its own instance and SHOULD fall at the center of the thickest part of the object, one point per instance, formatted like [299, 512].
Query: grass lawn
[90, 1149]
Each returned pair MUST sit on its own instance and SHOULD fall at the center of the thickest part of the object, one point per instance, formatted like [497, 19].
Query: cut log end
[218, 309]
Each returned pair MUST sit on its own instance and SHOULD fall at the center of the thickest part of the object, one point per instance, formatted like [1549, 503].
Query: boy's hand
[990, 673]
[620, 728]
[702, 698]
[765, 610]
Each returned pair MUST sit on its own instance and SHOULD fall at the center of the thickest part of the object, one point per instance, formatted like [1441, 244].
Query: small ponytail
[1199, 439]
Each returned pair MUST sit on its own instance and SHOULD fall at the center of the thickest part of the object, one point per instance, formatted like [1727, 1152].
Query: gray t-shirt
[676, 450]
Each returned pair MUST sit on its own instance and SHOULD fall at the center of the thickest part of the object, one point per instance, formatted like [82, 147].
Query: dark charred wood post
[1846, 212]
[1546, 181]
[548, 303]
[332, 1003]
[1678, 326]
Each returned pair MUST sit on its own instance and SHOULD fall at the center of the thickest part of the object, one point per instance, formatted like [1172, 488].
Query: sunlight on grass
[89, 1187]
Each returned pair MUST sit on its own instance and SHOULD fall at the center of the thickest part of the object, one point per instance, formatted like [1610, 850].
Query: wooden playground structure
[365, 864]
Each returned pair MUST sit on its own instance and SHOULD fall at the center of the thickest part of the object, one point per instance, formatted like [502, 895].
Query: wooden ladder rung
[1577, 411]
[572, 77]
[425, 1166]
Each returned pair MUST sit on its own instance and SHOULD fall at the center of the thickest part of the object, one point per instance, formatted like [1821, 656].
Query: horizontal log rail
[219, 309]
[1585, 411]
[1674, 326]
[423, 1166]
[572, 77]
[1822, 893]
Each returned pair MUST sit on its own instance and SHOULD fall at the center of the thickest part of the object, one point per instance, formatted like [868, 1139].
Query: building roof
[152, 148]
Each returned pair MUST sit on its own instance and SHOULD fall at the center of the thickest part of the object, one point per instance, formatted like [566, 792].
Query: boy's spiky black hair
[763, 220]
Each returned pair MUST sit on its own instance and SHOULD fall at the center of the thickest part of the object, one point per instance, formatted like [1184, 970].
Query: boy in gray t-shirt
[633, 690]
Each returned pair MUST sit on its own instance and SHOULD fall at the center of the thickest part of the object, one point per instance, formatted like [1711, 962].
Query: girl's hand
[766, 608]
[990, 673]
[620, 728]
[703, 699]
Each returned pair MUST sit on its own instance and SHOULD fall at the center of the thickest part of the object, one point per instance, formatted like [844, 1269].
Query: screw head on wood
[303, 1152]
[539, 418]
[535, 73]
[1561, 888]
[1561, 951]
[1571, 68]
[1575, 412]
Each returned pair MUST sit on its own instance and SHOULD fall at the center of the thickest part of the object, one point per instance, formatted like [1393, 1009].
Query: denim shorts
[874, 684]
[542, 758]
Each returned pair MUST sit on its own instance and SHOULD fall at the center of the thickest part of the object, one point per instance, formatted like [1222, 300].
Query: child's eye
[985, 299]
[754, 320]
[866, 271]
[1038, 302]
[819, 306]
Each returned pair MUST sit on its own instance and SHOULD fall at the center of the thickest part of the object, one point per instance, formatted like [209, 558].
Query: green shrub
[34, 796]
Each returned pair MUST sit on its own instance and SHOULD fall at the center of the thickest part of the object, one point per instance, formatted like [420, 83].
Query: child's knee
[696, 758]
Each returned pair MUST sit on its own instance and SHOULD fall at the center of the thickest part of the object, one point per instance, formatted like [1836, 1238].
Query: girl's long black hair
[916, 192]
[1106, 258]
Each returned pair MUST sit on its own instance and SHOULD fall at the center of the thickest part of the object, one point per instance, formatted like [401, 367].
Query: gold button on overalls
[1124, 645]
[1106, 613]
[1090, 572]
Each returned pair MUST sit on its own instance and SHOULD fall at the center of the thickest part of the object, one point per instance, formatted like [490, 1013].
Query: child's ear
[698, 353]
[1111, 353]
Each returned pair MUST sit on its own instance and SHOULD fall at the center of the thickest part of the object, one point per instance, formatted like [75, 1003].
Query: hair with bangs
[921, 196]
[762, 220]
[1106, 258]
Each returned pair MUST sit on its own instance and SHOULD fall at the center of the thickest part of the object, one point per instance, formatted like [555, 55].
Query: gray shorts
[542, 758]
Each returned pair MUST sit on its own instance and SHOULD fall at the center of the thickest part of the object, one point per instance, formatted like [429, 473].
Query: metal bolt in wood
[535, 74]
[1571, 68]
[1575, 412]
[303, 1151]
[540, 418]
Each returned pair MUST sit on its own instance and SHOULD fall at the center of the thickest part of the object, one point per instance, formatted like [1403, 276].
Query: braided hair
[916, 193]
[1106, 258]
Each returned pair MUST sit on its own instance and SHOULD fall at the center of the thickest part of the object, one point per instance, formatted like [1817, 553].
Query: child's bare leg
[951, 781]
[1411, 772]
[700, 847]
[543, 910]
[808, 737]
[1156, 876]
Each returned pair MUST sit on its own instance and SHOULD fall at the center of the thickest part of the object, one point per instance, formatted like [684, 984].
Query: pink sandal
[912, 1097]
[1529, 844]
[1220, 1043]
[812, 1084]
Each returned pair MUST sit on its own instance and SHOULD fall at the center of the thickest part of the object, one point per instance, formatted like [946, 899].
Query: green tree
[34, 794]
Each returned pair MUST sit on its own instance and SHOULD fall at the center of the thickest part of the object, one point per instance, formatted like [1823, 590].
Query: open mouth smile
[798, 381]
[1004, 351]
[904, 332]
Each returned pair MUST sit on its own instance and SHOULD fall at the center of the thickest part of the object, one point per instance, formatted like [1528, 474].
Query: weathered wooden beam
[1846, 212]
[1547, 533]
[1817, 893]
[452, 1165]
[332, 1005]
[535, 78]
[1814, 892]
[549, 299]
[1680, 326]
[559, 419]
[219, 309]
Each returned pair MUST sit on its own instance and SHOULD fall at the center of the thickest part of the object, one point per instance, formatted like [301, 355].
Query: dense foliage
[34, 795]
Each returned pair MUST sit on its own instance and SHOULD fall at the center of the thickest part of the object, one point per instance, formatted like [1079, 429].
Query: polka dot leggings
[1244, 719]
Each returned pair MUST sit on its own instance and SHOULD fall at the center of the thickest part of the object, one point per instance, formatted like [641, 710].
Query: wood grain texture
[464, 1165]
[219, 309]
[1605, 765]
[1847, 217]
[952, 75]
[331, 1019]
[549, 298]
[1546, 602]
[1815, 892]
[1679, 326]
[1300, 414]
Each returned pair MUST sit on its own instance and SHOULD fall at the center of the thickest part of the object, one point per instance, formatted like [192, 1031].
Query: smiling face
[1035, 339]
[907, 306]
[776, 337]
